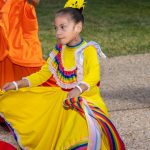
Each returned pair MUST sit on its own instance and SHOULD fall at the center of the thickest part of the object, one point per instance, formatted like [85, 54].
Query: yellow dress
[37, 115]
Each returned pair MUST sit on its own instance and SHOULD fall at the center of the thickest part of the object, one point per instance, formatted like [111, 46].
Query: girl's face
[66, 30]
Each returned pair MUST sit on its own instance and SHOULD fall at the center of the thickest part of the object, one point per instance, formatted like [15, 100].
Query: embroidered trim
[68, 79]
[65, 79]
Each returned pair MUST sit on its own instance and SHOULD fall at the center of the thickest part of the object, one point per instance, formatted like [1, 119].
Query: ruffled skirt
[40, 122]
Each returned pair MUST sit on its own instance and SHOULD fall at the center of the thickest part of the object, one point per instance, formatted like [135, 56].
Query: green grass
[120, 27]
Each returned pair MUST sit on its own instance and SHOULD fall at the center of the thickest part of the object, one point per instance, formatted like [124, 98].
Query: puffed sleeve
[91, 70]
[41, 76]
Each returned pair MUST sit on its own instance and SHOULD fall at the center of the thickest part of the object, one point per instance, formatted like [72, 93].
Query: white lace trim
[79, 58]
[79, 62]
[58, 81]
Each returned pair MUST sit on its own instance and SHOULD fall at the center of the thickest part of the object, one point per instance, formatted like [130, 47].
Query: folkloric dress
[42, 118]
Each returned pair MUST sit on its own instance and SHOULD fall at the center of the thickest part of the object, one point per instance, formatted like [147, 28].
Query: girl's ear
[79, 27]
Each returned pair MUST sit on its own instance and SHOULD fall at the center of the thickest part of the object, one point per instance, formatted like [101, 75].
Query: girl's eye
[62, 27]
[55, 28]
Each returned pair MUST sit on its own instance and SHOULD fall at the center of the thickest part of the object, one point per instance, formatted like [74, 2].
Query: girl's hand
[74, 93]
[77, 91]
[15, 85]
[9, 86]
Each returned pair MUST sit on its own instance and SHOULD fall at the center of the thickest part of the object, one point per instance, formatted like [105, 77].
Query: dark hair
[76, 14]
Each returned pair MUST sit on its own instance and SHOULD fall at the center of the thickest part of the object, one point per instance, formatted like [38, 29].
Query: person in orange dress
[20, 48]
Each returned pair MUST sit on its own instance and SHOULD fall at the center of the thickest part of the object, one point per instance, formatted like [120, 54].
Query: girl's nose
[58, 32]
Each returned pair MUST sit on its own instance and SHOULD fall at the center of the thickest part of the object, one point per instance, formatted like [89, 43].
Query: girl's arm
[39, 77]
[91, 72]
[15, 85]
[34, 79]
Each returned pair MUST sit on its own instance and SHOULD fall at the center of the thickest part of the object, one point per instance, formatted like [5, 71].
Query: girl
[71, 114]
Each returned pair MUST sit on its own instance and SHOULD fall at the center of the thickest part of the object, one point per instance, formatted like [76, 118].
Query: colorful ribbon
[97, 122]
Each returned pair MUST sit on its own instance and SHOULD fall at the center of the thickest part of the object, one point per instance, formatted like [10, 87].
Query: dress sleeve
[41, 76]
[91, 71]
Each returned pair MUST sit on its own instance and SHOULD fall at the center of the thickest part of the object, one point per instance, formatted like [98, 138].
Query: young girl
[71, 114]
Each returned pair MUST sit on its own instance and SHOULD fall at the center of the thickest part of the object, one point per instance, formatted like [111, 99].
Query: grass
[120, 27]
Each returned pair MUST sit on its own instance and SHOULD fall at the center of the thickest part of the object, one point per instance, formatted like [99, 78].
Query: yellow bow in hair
[75, 4]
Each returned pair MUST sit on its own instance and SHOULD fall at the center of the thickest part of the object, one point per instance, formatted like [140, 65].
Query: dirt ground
[125, 87]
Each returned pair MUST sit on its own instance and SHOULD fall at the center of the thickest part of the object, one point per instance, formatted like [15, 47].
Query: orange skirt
[20, 48]
[12, 72]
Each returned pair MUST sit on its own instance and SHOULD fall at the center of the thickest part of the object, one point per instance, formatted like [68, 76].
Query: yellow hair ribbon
[75, 4]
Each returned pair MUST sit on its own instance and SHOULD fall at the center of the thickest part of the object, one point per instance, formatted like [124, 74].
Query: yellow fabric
[41, 76]
[37, 113]
[68, 57]
[91, 74]
[91, 67]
